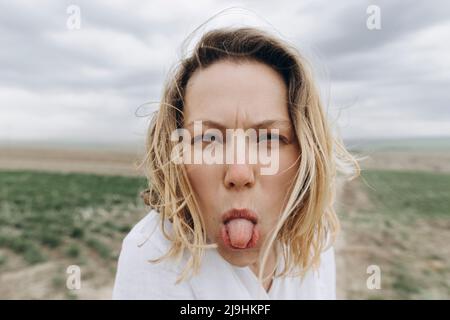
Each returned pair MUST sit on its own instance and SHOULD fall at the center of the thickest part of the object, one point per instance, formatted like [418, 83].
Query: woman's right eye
[205, 138]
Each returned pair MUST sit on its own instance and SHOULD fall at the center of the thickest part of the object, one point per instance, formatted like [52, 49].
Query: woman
[227, 229]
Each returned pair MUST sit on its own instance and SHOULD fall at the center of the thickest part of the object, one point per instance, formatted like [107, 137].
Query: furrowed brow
[263, 124]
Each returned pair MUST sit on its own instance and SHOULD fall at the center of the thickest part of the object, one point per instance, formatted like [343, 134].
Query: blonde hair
[308, 223]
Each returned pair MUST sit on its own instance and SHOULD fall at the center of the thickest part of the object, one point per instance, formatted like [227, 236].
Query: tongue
[240, 232]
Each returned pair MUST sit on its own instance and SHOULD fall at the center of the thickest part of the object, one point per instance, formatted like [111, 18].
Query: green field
[402, 222]
[408, 194]
[43, 213]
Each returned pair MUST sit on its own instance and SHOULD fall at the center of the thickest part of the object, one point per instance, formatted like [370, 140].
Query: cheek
[203, 178]
[289, 162]
[278, 185]
[205, 181]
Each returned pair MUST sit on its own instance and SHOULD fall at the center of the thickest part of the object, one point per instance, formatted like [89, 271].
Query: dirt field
[411, 251]
[366, 238]
[433, 161]
[101, 161]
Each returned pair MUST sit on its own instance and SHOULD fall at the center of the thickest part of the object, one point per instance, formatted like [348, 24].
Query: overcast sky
[59, 83]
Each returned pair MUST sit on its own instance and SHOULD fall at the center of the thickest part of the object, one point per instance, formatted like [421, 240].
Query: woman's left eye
[270, 137]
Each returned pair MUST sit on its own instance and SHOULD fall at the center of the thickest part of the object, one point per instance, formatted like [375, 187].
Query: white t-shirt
[137, 278]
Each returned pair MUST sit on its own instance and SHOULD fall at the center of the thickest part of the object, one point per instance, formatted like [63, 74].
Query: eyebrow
[262, 124]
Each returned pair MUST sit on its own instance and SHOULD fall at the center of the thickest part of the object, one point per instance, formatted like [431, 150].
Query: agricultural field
[399, 221]
[49, 221]
[73, 207]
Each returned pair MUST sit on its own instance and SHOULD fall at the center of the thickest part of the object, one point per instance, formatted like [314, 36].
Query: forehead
[233, 92]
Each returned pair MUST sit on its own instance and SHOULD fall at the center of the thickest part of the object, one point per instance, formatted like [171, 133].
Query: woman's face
[227, 95]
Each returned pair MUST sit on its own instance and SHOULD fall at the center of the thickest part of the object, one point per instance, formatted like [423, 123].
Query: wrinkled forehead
[236, 94]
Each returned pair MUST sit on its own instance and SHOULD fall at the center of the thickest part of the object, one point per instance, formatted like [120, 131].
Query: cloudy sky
[62, 83]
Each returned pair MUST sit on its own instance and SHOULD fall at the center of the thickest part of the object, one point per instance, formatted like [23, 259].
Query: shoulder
[317, 283]
[136, 276]
[147, 234]
[327, 274]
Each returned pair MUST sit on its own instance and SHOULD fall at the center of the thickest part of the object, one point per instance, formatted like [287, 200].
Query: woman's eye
[269, 137]
[272, 138]
[206, 138]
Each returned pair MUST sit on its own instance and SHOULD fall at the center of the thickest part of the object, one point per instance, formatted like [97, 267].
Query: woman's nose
[239, 176]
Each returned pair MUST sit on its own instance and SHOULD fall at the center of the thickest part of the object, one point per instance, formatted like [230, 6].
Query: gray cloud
[86, 84]
[345, 30]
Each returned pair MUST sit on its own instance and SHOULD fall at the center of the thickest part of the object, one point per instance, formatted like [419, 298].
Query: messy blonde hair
[308, 223]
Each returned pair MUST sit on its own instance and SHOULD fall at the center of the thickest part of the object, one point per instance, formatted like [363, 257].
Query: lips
[239, 230]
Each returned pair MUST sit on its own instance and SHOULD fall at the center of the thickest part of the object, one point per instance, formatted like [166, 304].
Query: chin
[239, 258]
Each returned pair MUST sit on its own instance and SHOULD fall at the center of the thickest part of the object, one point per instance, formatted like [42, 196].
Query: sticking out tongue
[240, 232]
